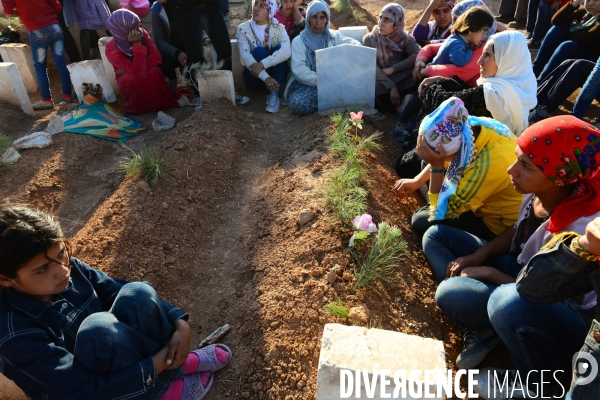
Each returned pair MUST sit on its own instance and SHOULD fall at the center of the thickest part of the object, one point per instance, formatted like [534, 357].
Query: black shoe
[477, 343]
[537, 114]
[518, 24]
[504, 18]
[533, 44]
[528, 35]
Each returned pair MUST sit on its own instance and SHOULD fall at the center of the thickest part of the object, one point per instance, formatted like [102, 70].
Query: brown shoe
[518, 24]
[503, 18]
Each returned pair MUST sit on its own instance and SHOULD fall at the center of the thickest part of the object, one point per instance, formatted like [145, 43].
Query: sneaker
[272, 102]
[502, 384]
[503, 18]
[537, 114]
[528, 35]
[69, 98]
[197, 103]
[240, 99]
[226, 16]
[477, 343]
[534, 44]
[518, 24]
[43, 105]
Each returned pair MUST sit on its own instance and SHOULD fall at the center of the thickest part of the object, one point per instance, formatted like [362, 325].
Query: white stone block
[20, 54]
[110, 71]
[91, 71]
[373, 350]
[346, 76]
[237, 65]
[216, 84]
[355, 32]
[12, 89]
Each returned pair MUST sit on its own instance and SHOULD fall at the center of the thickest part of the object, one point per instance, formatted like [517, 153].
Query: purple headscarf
[119, 24]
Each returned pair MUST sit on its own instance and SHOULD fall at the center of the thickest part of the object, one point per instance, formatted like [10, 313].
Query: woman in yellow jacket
[467, 158]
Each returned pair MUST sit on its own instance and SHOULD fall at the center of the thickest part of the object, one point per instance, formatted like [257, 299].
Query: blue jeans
[538, 336]
[50, 36]
[135, 328]
[224, 5]
[539, 15]
[556, 48]
[588, 92]
[277, 72]
[591, 348]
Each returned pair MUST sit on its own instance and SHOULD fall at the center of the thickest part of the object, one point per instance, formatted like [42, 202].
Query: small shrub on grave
[5, 143]
[149, 164]
[337, 309]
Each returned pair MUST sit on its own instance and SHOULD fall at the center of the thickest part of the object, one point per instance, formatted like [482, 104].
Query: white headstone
[12, 89]
[346, 76]
[355, 32]
[216, 84]
[110, 71]
[237, 65]
[355, 348]
[20, 54]
[91, 71]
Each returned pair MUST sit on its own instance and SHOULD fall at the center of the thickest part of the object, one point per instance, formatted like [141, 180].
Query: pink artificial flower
[355, 116]
[364, 223]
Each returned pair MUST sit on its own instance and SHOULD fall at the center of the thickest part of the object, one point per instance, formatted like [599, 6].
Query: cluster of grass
[344, 7]
[149, 164]
[381, 260]
[248, 9]
[337, 309]
[5, 143]
[344, 195]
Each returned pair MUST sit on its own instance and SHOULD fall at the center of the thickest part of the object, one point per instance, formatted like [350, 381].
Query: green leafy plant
[337, 309]
[343, 196]
[5, 143]
[248, 9]
[343, 6]
[382, 259]
[149, 164]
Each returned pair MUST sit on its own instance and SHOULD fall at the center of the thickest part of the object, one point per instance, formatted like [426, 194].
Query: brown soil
[221, 240]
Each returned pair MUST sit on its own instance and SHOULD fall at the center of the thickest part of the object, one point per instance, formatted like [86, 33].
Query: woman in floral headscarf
[396, 54]
[264, 47]
[466, 158]
[135, 59]
[557, 168]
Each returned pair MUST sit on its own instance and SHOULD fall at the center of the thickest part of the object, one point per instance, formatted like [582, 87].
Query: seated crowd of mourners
[511, 228]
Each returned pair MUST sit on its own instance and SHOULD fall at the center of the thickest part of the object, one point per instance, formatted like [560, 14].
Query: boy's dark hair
[474, 19]
[24, 233]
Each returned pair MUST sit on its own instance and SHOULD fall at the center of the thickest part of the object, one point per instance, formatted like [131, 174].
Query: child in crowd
[69, 331]
[292, 16]
[135, 59]
[40, 19]
[91, 16]
[468, 31]
[436, 31]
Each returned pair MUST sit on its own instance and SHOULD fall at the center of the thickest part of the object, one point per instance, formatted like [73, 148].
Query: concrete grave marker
[91, 71]
[110, 71]
[355, 348]
[237, 66]
[354, 32]
[12, 89]
[20, 54]
[216, 84]
[346, 76]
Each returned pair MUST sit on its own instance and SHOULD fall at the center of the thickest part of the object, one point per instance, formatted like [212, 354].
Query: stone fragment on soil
[165, 204]
[142, 185]
[10, 155]
[331, 277]
[360, 313]
[305, 216]
[109, 213]
[36, 139]
[55, 125]
[163, 122]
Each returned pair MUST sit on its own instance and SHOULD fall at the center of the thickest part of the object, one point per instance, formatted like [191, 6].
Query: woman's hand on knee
[179, 345]
[395, 96]
[454, 268]
[417, 70]
[405, 187]
[426, 83]
[388, 71]
[272, 84]
[256, 69]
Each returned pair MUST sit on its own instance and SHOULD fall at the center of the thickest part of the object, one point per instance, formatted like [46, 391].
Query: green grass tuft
[343, 195]
[337, 309]
[248, 9]
[5, 143]
[149, 164]
[383, 259]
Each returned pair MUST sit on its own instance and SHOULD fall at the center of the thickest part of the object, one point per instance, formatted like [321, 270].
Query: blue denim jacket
[37, 341]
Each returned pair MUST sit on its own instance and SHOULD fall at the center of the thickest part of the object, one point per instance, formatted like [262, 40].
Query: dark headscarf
[386, 46]
[315, 41]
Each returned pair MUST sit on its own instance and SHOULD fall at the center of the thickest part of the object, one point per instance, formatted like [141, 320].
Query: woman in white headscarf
[264, 47]
[301, 91]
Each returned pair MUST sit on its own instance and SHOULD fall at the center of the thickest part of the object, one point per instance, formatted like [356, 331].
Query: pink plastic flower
[356, 116]
[364, 223]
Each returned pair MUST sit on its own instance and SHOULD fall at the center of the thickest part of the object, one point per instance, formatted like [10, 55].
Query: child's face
[475, 38]
[288, 5]
[41, 278]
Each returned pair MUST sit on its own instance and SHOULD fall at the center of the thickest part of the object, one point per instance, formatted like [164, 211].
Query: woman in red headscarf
[557, 168]
[136, 60]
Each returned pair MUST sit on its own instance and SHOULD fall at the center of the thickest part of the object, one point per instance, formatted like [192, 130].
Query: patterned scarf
[434, 30]
[567, 150]
[264, 39]
[315, 41]
[119, 24]
[463, 6]
[585, 24]
[394, 42]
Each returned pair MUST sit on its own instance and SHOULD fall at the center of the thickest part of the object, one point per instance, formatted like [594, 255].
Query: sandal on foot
[208, 358]
[192, 386]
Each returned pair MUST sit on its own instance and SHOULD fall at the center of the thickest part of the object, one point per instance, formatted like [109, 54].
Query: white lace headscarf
[511, 93]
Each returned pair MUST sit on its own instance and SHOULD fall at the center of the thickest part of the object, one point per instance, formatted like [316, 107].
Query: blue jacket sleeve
[460, 53]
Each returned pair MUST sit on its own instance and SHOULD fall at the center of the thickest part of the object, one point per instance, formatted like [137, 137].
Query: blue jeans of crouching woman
[136, 327]
[42, 39]
[277, 72]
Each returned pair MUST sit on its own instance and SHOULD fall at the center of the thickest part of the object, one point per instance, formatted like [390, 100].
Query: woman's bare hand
[135, 36]
[405, 187]
[426, 83]
[590, 241]
[425, 153]
[395, 96]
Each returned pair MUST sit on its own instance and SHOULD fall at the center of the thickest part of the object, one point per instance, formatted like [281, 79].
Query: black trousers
[562, 82]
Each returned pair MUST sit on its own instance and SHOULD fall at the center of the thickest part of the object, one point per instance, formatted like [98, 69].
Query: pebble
[142, 185]
[246, 395]
[305, 216]
[331, 277]
[165, 204]
[360, 313]
[109, 213]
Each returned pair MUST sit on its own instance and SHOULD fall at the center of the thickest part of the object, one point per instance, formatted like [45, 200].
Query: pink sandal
[208, 358]
[192, 386]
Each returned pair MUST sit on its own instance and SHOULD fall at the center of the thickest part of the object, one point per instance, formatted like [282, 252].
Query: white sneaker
[273, 102]
[502, 384]
[240, 99]
[197, 103]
